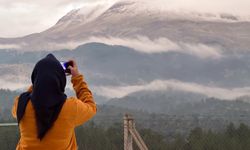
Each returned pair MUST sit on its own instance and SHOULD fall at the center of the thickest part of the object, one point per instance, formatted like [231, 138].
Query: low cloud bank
[161, 45]
[144, 45]
[9, 46]
[156, 85]
[165, 85]
[13, 85]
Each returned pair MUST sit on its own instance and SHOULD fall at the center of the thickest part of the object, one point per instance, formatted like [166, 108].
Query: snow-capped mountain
[133, 20]
[130, 8]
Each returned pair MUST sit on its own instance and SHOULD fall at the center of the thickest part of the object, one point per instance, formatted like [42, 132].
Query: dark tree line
[233, 138]
[6, 102]
[94, 137]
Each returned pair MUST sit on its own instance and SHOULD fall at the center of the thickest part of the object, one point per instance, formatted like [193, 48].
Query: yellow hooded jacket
[61, 136]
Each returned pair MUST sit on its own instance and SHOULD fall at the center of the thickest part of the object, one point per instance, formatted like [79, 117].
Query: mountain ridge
[128, 20]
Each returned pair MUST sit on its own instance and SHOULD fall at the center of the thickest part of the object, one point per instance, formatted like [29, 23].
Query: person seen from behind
[46, 116]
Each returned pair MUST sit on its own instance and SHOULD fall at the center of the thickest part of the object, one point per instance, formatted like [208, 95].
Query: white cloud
[12, 85]
[15, 76]
[165, 85]
[141, 43]
[60, 46]
[201, 50]
[145, 45]
[161, 45]
[16, 81]
[9, 46]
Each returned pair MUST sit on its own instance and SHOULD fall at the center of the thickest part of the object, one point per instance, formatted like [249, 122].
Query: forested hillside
[164, 113]
[6, 101]
[94, 137]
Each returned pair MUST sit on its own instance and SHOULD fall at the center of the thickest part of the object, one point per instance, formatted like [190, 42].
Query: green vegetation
[8, 137]
[94, 137]
[90, 137]
[6, 102]
[232, 139]
[173, 129]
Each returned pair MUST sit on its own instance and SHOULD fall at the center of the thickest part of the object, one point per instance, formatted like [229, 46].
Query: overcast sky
[21, 17]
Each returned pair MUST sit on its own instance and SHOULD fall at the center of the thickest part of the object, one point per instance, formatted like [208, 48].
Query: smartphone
[65, 66]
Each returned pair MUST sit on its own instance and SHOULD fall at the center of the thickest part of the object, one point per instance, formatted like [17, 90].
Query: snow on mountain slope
[178, 10]
[125, 8]
[84, 15]
[130, 19]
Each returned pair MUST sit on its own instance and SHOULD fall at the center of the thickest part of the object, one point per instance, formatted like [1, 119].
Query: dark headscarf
[49, 81]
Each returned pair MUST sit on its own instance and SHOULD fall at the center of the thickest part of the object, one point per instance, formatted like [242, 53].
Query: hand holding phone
[73, 68]
[70, 67]
[65, 66]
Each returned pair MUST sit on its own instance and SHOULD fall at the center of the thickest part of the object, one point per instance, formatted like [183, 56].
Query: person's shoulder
[69, 107]
[71, 102]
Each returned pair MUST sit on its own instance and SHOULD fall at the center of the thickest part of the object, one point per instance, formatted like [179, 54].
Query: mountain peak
[125, 8]
[129, 20]
[91, 12]
[84, 14]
